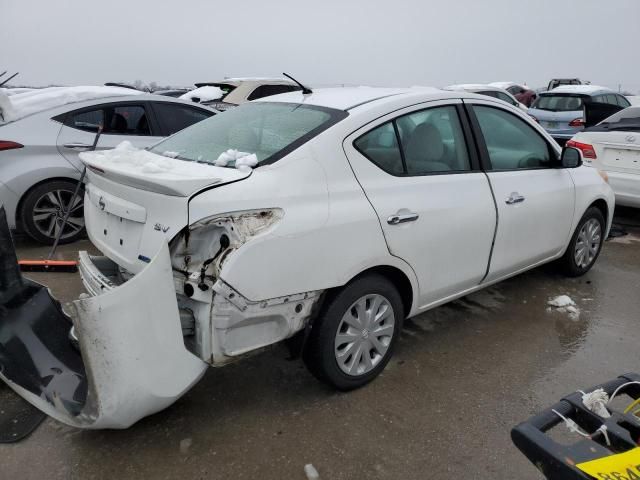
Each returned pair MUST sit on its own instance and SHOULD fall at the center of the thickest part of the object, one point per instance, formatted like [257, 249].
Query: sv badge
[160, 228]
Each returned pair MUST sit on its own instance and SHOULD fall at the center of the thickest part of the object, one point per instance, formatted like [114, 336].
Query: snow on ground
[565, 304]
[204, 94]
[22, 104]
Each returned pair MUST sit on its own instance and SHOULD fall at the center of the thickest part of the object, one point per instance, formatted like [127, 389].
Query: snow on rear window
[20, 105]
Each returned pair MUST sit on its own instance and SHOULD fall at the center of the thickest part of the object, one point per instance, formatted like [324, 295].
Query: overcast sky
[373, 42]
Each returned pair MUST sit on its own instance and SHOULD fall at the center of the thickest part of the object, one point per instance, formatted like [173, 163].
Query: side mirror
[571, 158]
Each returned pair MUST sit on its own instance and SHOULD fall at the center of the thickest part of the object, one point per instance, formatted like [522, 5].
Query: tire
[588, 239]
[43, 209]
[341, 365]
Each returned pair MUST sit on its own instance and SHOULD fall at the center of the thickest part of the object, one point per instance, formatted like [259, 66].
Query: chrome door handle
[514, 198]
[77, 146]
[402, 218]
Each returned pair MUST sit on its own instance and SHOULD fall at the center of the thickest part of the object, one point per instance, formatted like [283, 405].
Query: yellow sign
[623, 466]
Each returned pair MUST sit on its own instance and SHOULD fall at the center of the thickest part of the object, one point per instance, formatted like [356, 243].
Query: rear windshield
[267, 130]
[627, 120]
[558, 102]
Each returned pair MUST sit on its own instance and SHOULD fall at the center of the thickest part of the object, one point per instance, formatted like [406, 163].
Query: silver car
[561, 110]
[39, 164]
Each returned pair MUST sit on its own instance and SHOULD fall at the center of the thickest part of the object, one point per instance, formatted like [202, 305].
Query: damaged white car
[332, 215]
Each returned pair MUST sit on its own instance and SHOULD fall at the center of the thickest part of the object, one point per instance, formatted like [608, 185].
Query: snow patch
[134, 160]
[243, 161]
[204, 94]
[565, 304]
[561, 301]
[37, 100]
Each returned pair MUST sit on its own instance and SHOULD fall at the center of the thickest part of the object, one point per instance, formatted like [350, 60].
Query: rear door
[534, 198]
[434, 204]
[131, 121]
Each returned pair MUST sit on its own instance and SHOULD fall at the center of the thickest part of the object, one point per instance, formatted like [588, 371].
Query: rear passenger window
[426, 142]
[126, 120]
[87, 121]
[611, 99]
[175, 117]
[623, 102]
[380, 145]
[512, 143]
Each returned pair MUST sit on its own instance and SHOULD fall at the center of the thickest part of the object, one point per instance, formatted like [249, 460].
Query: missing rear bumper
[132, 360]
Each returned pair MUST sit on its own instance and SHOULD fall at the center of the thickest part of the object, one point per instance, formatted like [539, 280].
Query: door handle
[514, 198]
[402, 218]
[77, 146]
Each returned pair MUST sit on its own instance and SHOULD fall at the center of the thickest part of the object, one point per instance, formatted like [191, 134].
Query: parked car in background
[524, 94]
[613, 146]
[175, 92]
[235, 91]
[489, 91]
[560, 111]
[334, 214]
[45, 130]
[558, 82]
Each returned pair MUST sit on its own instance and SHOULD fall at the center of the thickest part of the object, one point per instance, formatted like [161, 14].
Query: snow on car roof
[343, 98]
[586, 89]
[204, 94]
[503, 85]
[22, 104]
[470, 87]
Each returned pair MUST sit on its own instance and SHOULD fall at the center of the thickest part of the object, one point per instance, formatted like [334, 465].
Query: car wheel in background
[353, 338]
[43, 209]
[585, 244]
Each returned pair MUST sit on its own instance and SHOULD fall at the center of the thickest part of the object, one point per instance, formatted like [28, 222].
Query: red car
[523, 93]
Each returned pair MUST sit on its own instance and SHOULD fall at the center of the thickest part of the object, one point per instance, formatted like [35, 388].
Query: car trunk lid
[135, 200]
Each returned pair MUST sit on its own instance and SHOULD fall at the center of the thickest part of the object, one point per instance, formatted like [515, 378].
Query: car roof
[584, 89]
[473, 87]
[345, 98]
[503, 85]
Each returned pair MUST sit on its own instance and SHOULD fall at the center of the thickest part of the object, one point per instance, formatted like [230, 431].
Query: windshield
[558, 102]
[266, 130]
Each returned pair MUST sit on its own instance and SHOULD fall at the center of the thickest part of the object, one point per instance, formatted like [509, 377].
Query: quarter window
[511, 143]
[424, 142]
[268, 90]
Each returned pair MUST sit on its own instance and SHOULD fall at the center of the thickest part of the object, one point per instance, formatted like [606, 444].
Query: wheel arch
[18, 214]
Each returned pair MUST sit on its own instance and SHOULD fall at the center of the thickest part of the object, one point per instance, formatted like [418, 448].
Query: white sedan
[613, 147]
[333, 215]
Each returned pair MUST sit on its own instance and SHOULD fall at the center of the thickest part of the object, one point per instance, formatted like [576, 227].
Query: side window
[599, 99]
[623, 102]
[511, 142]
[433, 141]
[268, 90]
[126, 120]
[175, 117]
[514, 90]
[380, 145]
[611, 99]
[506, 98]
[88, 121]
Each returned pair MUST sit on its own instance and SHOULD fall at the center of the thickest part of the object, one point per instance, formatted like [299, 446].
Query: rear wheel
[353, 338]
[585, 245]
[44, 208]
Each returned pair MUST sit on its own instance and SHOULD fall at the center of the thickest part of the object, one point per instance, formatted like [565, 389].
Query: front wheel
[585, 244]
[352, 340]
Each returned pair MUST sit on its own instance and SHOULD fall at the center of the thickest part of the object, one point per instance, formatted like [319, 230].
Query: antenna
[12, 76]
[305, 90]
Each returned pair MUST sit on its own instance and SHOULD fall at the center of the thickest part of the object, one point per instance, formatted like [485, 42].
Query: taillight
[9, 145]
[576, 122]
[587, 150]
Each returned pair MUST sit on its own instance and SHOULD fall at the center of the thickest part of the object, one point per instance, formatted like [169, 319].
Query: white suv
[333, 215]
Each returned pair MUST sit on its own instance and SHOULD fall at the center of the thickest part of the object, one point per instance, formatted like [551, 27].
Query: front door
[534, 198]
[434, 204]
